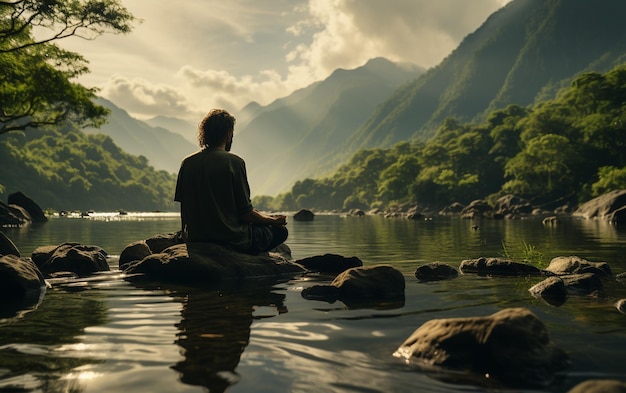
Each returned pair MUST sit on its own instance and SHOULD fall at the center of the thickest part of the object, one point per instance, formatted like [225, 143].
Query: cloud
[207, 53]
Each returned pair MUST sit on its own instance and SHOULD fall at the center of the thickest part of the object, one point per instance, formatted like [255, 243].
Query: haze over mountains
[522, 54]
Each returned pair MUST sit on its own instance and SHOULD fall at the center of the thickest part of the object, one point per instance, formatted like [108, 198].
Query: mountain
[287, 139]
[179, 126]
[163, 149]
[523, 53]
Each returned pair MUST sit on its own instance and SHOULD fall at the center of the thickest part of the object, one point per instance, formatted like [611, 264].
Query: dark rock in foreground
[435, 271]
[374, 286]
[82, 260]
[511, 346]
[205, 263]
[329, 263]
[497, 267]
[21, 283]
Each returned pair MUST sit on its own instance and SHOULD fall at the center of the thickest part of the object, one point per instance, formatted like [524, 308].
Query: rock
[512, 204]
[33, 209]
[583, 284]
[552, 290]
[577, 265]
[12, 215]
[207, 263]
[372, 286]
[620, 305]
[83, 260]
[600, 386]
[603, 207]
[304, 215]
[21, 283]
[497, 267]
[435, 271]
[477, 209]
[134, 252]
[511, 346]
[551, 220]
[7, 247]
[455, 208]
[621, 276]
[329, 263]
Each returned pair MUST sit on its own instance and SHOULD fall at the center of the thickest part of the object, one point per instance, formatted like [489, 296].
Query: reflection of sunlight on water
[294, 330]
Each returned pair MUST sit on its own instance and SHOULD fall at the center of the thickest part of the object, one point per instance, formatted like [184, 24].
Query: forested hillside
[63, 168]
[568, 149]
[524, 53]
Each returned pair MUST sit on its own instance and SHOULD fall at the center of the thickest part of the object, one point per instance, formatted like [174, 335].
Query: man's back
[213, 190]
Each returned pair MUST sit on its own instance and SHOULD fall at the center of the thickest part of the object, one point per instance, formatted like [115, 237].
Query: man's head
[216, 128]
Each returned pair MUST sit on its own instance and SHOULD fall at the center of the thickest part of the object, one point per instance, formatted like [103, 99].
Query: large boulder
[511, 346]
[609, 206]
[329, 263]
[33, 209]
[82, 260]
[497, 267]
[13, 215]
[512, 205]
[7, 247]
[21, 283]
[379, 286]
[206, 263]
[477, 209]
[304, 215]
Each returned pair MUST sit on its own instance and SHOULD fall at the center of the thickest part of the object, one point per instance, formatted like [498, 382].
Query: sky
[184, 58]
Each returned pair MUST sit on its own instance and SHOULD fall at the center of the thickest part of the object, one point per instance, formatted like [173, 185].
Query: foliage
[527, 253]
[64, 169]
[573, 146]
[36, 85]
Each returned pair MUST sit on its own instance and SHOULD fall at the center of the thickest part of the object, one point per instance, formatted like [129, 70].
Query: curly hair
[213, 129]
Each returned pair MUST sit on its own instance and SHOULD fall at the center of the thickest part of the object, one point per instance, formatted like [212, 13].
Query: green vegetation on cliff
[570, 148]
[65, 169]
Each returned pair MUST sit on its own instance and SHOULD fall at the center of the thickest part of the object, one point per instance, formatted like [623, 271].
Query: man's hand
[256, 217]
[279, 220]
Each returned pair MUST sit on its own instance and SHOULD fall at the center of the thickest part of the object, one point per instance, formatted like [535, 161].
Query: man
[214, 194]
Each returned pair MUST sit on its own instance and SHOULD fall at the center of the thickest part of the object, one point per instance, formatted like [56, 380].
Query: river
[105, 334]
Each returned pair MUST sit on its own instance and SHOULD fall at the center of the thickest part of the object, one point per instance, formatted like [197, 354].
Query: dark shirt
[213, 191]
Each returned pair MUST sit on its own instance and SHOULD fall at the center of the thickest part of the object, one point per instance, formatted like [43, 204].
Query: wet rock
[21, 282]
[583, 284]
[304, 215]
[34, 210]
[600, 386]
[620, 305]
[455, 208]
[550, 221]
[83, 260]
[12, 215]
[552, 290]
[362, 286]
[7, 247]
[497, 267]
[435, 271]
[511, 346]
[207, 263]
[329, 263]
[577, 265]
[604, 207]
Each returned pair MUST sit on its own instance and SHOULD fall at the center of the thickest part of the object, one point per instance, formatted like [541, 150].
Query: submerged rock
[577, 265]
[497, 267]
[511, 346]
[552, 290]
[379, 285]
[620, 305]
[435, 271]
[82, 260]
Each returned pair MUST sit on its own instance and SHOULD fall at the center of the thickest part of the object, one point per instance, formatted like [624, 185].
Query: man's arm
[256, 217]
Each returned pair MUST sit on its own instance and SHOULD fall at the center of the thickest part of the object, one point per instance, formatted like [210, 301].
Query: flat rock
[497, 267]
[577, 265]
[435, 271]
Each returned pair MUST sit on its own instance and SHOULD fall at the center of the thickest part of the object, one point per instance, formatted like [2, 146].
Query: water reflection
[215, 330]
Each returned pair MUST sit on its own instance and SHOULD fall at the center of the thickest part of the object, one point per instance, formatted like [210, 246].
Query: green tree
[36, 85]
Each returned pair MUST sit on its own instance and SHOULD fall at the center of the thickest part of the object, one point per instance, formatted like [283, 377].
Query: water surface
[105, 334]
